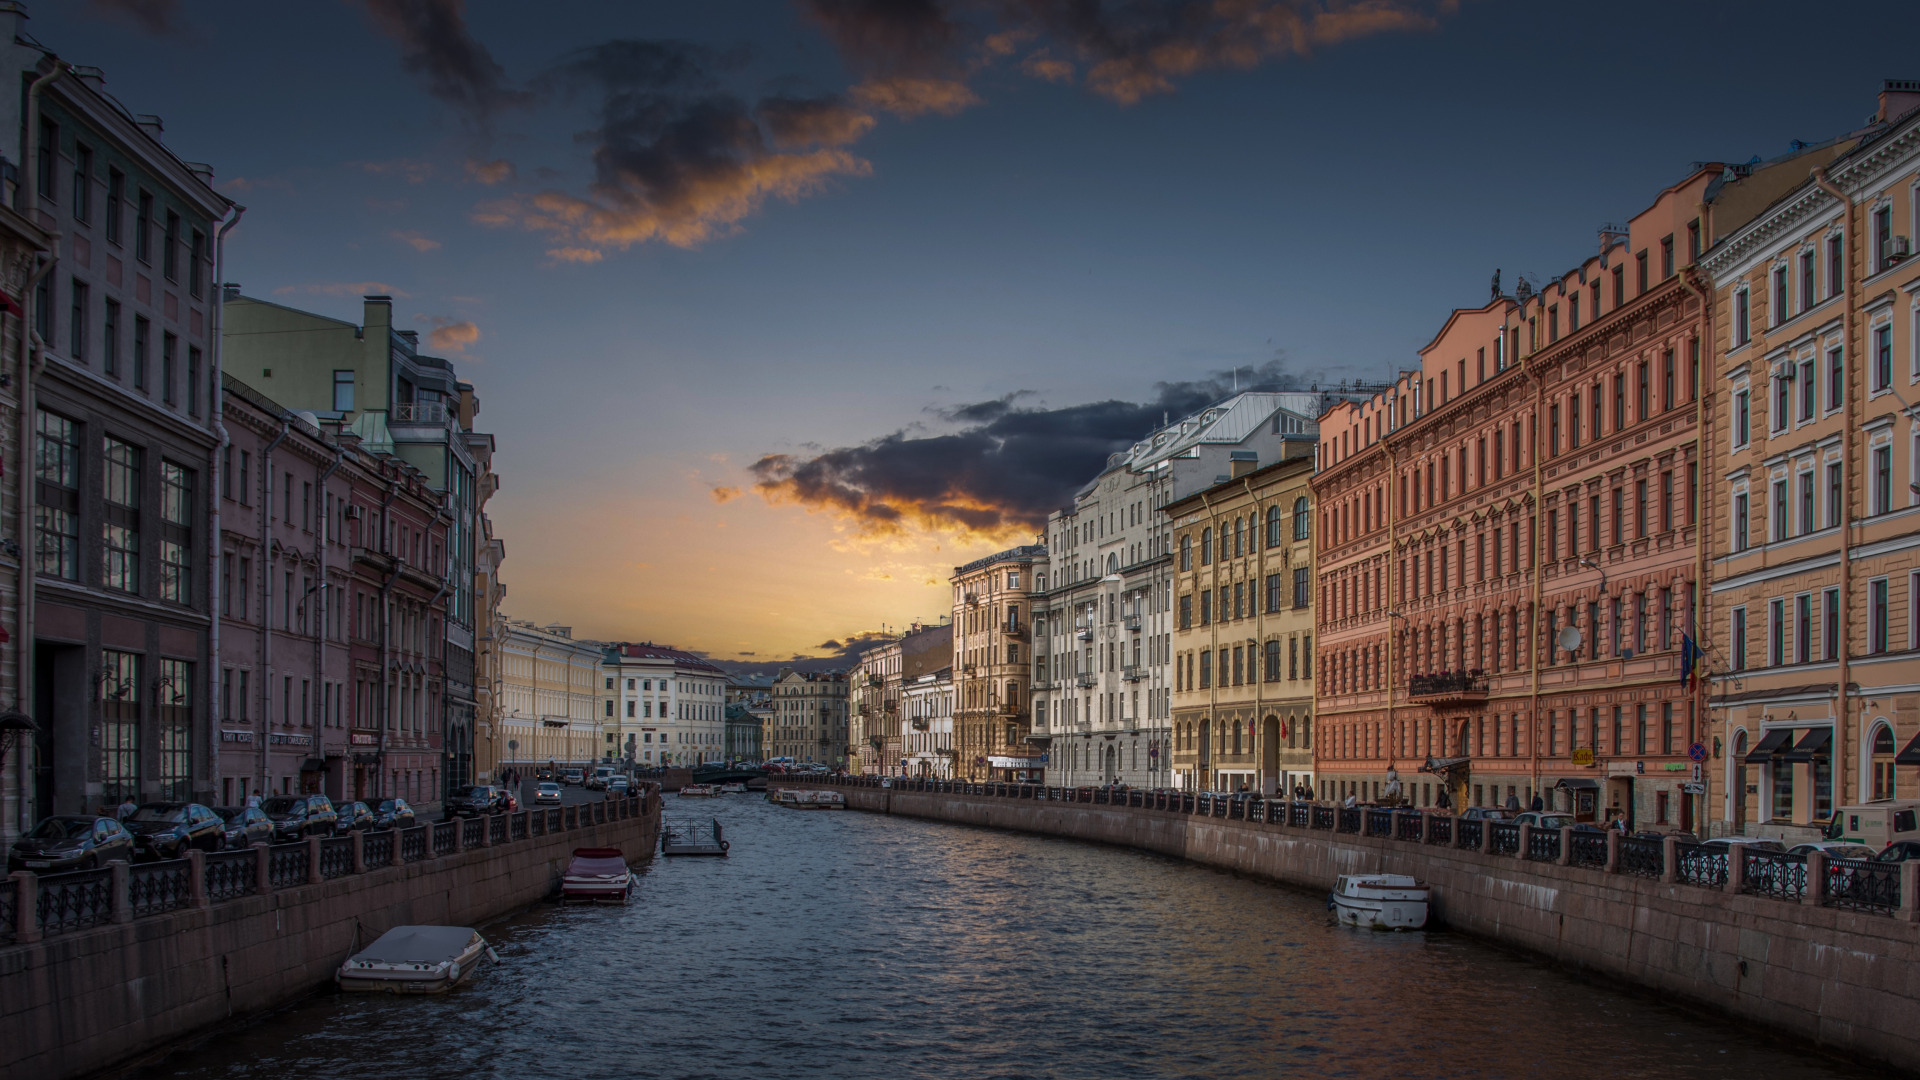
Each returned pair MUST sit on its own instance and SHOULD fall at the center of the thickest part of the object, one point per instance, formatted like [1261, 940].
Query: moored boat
[1380, 901]
[415, 960]
[597, 876]
[738, 787]
[699, 791]
[807, 799]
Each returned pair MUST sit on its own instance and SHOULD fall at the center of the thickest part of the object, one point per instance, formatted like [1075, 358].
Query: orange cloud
[908, 97]
[452, 336]
[412, 170]
[1041, 66]
[575, 254]
[724, 494]
[491, 172]
[416, 240]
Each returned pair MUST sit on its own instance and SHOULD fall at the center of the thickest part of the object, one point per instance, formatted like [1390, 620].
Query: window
[1833, 494]
[1742, 317]
[1640, 271]
[1619, 286]
[1807, 522]
[1275, 534]
[1836, 264]
[1807, 282]
[1742, 418]
[1777, 633]
[1276, 592]
[1666, 257]
[193, 381]
[1206, 607]
[1573, 422]
[1302, 519]
[116, 195]
[82, 183]
[1803, 628]
[168, 347]
[1877, 616]
[174, 693]
[1882, 479]
[1302, 585]
[1882, 357]
[1619, 516]
[1738, 639]
[1882, 238]
[1186, 552]
[142, 330]
[196, 265]
[1206, 668]
[1206, 547]
[143, 227]
[170, 254]
[120, 484]
[1836, 379]
[79, 314]
[43, 309]
[56, 511]
[49, 150]
[176, 533]
[110, 341]
[1620, 402]
[1779, 312]
[1666, 501]
[119, 727]
[1740, 515]
[1830, 624]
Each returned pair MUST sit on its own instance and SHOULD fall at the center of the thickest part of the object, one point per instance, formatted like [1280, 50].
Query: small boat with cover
[597, 876]
[415, 960]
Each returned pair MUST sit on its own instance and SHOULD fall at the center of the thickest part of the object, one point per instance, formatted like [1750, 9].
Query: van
[1876, 824]
[598, 781]
[571, 776]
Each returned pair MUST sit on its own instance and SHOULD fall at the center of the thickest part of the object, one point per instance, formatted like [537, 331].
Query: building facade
[1812, 633]
[992, 659]
[927, 724]
[809, 719]
[552, 700]
[666, 706]
[1243, 701]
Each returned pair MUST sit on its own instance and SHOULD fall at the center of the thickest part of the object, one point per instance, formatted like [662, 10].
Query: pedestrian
[253, 800]
[1513, 802]
[126, 809]
[1538, 804]
[1444, 801]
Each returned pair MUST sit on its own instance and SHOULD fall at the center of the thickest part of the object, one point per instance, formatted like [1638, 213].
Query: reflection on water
[853, 945]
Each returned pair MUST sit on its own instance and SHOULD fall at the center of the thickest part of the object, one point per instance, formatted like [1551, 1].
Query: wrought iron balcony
[1083, 680]
[1086, 633]
[1131, 622]
[1133, 673]
[420, 412]
[1448, 688]
[1016, 631]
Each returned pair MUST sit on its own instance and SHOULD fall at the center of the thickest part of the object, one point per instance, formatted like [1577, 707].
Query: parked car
[1485, 813]
[1900, 851]
[1546, 819]
[168, 830]
[245, 826]
[571, 776]
[296, 817]
[543, 774]
[478, 799]
[1835, 849]
[617, 786]
[70, 842]
[355, 817]
[1758, 843]
[393, 814]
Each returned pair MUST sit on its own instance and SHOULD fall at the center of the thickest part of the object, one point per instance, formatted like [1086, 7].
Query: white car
[547, 792]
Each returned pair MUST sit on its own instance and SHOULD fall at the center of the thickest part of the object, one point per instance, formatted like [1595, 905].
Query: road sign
[1698, 751]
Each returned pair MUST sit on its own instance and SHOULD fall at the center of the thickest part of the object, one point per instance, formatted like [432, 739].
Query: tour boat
[415, 960]
[803, 799]
[597, 876]
[738, 787]
[699, 791]
[1379, 901]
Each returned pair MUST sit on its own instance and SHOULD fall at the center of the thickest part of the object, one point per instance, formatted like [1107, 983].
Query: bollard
[122, 899]
[1669, 859]
[263, 868]
[1910, 890]
[1526, 841]
[313, 861]
[359, 852]
[1816, 893]
[1486, 837]
[459, 835]
[1737, 869]
[26, 910]
[197, 879]
[1566, 845]
[1613, 851]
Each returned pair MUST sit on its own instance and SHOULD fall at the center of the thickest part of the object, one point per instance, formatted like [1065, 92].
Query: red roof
[679, 657]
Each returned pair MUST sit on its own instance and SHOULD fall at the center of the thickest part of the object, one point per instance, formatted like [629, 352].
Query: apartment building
[1812, 631]
[992, 660]
[876, 688]
[553, 700]
[664, 706]
[809, 718]
[1103, 622]
[1243, 638]
[927, 725]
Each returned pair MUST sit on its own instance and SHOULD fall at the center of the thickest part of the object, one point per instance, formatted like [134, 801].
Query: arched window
[1239, 537]
[1466, 738]
[1274, 535]
[1186, 551]
[1883, 780]
[1113, 563]
[1223, 543]
[1206, 547]
[1302, 519]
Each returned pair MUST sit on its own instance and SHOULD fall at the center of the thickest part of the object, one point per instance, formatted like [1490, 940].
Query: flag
[1689, 652]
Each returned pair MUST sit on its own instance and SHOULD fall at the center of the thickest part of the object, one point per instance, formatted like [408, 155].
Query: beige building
[1243, 628]
[550, 699]
[1814, 552]
[992, 658]
[809, 719]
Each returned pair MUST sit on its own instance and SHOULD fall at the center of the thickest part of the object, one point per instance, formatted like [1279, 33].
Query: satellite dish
[1569, 639]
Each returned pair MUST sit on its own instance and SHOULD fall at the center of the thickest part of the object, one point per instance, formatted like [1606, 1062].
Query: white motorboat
[807, 799]
[737, 787]
[415, 960]
[597, 876]
[1380, 901]
[699, 791]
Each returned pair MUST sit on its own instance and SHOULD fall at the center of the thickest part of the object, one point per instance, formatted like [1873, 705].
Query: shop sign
[1583, 755]
[236, 736]
[281, 738]
[364, 738]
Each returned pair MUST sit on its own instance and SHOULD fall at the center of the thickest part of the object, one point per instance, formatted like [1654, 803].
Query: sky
[781, 309]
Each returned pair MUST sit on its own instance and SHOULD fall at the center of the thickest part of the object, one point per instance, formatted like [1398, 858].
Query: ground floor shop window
[1782, 790]
[119, 727]
[176, 727]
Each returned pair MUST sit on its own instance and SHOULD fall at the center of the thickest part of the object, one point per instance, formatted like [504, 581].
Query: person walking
[126, 809]
[1538, 803]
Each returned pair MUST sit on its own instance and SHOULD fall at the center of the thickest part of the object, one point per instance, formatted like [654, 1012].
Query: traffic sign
[1698, 751]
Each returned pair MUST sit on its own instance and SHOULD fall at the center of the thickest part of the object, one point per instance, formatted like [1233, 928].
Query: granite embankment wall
[1846, 980]
[86, 1000]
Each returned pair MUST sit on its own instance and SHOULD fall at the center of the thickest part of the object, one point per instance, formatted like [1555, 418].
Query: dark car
[296, 817]
[70, 842]
[245, 826]
[478, 799]
[1900, 851]
[355, 817]
[393, 814]
[168, 830]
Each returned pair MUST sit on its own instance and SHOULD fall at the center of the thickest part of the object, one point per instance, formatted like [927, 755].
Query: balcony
[1083, 681]
[1010, 708]
[1017, 632]
[919, 723]
[420, 414]
[1085, 633]
[1131, 622]
[1448, 688]
[889, 705]
[1133, 673]
[966, 669]
[875, 680]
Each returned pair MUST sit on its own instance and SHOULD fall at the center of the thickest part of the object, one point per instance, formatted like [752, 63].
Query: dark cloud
[153, 16]
[436, 44]
[1001, 473]
[892, 37]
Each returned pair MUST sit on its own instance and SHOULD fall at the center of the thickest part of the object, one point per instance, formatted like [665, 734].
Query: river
[855, 945]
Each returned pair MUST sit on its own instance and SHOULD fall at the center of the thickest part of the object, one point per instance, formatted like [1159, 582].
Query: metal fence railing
[156, 887]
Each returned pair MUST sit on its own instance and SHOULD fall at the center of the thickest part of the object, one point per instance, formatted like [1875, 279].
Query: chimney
[377, 311]
[1897, 98]
[92, 76]
[1243, 462]
[231, 290]
[151, 124]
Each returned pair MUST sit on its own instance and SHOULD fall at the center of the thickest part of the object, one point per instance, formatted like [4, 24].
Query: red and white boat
[597, 876]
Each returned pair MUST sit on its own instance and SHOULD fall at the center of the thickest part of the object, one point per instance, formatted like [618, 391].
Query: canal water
[853, 945]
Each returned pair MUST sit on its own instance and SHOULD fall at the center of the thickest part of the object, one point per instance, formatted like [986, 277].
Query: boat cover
[418, 945]
[597, 862]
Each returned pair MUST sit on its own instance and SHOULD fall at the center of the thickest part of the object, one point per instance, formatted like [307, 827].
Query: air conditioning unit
[352, 512]
[1898, 247]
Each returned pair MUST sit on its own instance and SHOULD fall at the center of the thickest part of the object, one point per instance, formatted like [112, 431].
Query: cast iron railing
[1468, 833]
[1506, 837]
[1409, 826]
[1699, 864]
[75, 900]
[414, 843]
[496, 829]
[517, 826]
[287, 865]
[473, 832]
[336, 857]
[376, 848]
[1440, 830]
[9, 909]
[1773, 873]
[1349, 820]
[153, 888]
[1543, 845]
[446, 837]
[1642, 857]
[1863, 885]
[1379, 823]
[1589, 849]
[232, 874]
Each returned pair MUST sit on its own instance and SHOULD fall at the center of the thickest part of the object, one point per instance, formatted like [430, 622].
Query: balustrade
[1863, 885]
[1408, 827]
[154, 888]
[1349, 820]
[336, 857]
[287, 865]
[1773, 873]
[1700, 864]
[75, 900]
[1505, 838]
[376, 849]
[1439, 829]
[1468, 833]
[497, 828]
[230, 875]
[1643, 857]
[446, 837]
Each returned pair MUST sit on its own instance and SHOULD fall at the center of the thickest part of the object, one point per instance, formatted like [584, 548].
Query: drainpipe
[1843, 715]
[323, 606]
[1213, 684]
[266, 602]
[446, 582]
[216, 405]
[1534, 562]
[386, 627]
[1698, 613]
[1386, 601]
[31, 360]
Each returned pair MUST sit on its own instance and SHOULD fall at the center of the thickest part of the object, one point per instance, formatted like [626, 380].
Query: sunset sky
[780, 309]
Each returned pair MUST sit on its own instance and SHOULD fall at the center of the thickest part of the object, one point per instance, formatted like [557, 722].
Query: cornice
[1765, 230]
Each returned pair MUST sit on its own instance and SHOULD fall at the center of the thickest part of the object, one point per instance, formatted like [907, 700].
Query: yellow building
[992, 658]
[1243, 629]
[550, 700]
[809, 718]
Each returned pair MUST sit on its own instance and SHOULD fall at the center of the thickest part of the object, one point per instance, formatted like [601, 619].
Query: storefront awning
[1575, 784]
[313, 764]
[1813, 742]
[1910, 755]
[1773, 741]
